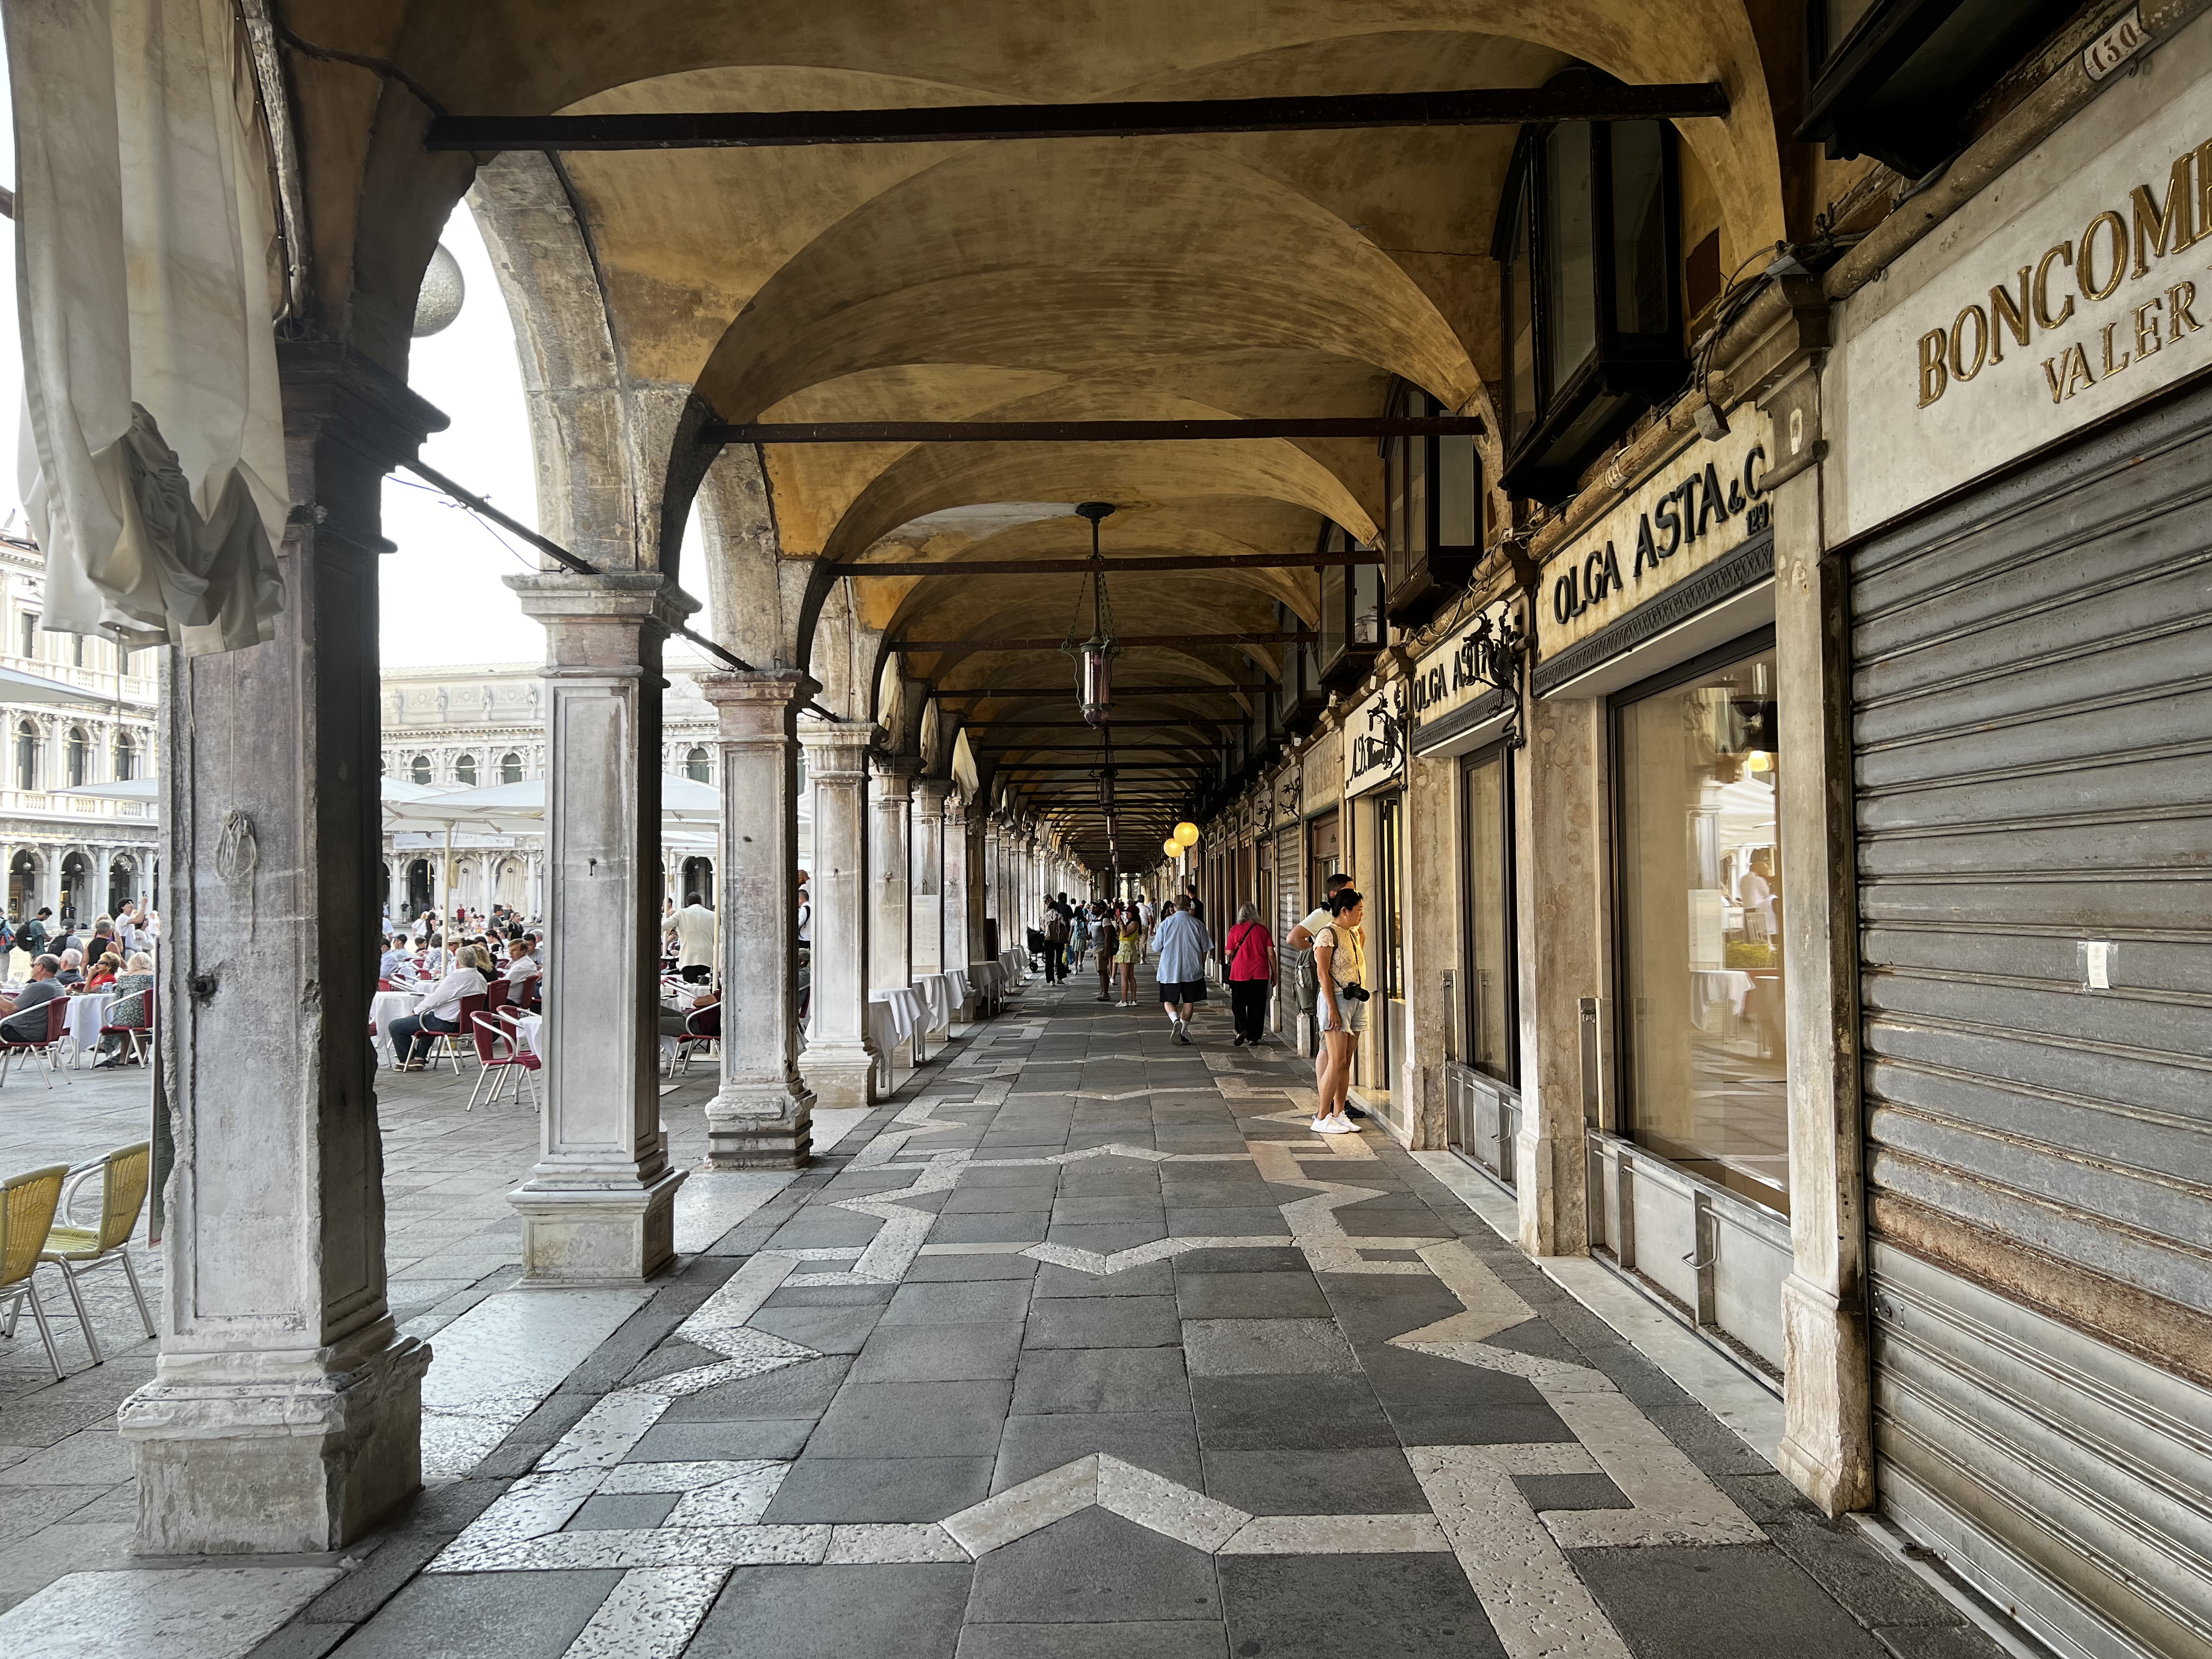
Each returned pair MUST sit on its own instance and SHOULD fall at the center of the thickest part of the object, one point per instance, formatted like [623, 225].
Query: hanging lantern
[1172, 847]
[1187, 833]
[1094, 657]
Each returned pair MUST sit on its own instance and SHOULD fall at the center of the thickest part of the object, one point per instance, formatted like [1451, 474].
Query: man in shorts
[1181, 970]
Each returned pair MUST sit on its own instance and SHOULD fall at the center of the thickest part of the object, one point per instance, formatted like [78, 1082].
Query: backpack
[1306, 978]
[1055, 928]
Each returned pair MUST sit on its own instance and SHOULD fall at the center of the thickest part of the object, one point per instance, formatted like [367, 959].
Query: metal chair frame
[692, 1038]
[19, 1252]
[119, 1210]
[57, 1028]
[487, 1031]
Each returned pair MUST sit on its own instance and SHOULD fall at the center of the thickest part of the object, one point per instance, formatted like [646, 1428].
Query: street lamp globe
[1187, 833]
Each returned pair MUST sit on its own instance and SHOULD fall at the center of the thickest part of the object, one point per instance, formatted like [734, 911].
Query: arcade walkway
[1081, 1346]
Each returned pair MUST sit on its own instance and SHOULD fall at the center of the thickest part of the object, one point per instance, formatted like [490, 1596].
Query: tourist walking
[1106, 939]
[1055, 932]
[1250, 949]
[1129, 946]
[1181, 971]
[1341, 954]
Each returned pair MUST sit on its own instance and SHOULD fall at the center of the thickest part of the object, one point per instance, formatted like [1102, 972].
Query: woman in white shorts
[1340, 959]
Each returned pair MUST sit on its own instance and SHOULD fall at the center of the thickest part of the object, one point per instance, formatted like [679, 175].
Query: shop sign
[1375, 741]
[1449, 677]
[1704, 502]
[2073, 286]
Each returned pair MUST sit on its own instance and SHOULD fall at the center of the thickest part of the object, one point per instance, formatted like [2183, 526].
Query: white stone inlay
[859, 1544]
[1020, 1511]
[651, 1614]
[641, 1546]
[1338, 1535]
[1166, 1506]
[1675, 1503]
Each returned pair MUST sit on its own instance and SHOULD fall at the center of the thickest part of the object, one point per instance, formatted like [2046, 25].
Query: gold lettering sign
[2117, 248]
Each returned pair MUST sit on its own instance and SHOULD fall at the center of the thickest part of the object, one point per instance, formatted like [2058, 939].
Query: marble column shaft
[600, 1204]
[890, 839]
[284, 1413]
[761, 1118]
[929, 883]
[839, 1065]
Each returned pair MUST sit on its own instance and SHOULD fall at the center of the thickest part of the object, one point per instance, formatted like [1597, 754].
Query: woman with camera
[1341, 962]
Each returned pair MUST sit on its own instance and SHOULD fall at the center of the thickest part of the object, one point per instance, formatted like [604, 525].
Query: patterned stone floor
[1084, 1347]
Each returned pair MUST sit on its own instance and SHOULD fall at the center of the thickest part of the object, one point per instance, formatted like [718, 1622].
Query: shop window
[1352, 626]
[1489, 1041]
[510, 768]
[1699, 854]
[464, 770]
[1898, 80]
[1433, 533]
[1590, 303]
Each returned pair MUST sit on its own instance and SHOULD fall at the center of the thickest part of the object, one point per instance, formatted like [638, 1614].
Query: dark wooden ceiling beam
[1150, 567]
[1309, 427]
[1132, 118]
[1263, 636]
[1196, 688]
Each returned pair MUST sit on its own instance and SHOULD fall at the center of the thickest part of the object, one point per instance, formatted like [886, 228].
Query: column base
[597, 1234]
[237, 1455]
[839, 1077]
[1549, 1184]
[1827, 1450]
[760, 1130]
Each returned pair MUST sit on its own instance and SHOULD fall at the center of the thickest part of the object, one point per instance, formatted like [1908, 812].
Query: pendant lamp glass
[1172, 847]
[1187, 833]
[1094, 657]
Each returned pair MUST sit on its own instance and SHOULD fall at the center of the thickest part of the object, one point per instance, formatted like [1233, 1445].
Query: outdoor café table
[936, 991]
[528, 1026]
[955, 980]
[87, 1012]
[383, 1008]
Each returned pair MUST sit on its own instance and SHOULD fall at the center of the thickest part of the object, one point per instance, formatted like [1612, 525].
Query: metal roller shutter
[2032, 693]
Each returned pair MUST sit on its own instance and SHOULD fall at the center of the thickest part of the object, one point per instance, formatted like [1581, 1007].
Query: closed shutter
[2033, 694]
[1290, 860]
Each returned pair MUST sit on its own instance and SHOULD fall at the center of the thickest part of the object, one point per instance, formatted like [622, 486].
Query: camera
[1355, 992]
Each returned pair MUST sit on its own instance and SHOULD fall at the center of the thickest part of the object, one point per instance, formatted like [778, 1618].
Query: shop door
[2032, 693]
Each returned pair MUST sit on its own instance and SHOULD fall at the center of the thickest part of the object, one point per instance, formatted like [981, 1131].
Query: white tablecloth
[383, 1008]
[87, 1014]
[1016, 964]
[529, 1026]
[908, 1010]
[939, 998]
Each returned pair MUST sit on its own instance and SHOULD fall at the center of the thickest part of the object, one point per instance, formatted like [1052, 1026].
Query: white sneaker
[1323, 1125]
[1335, 1125]
[1346, 1126]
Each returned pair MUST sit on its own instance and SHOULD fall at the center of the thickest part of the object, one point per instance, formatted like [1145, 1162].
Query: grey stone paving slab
[1200, 1294]
[882, 1489]
[1145, 1279]
[911, 1611]
[1164, 1442]
[1090, 1568]
[1104, 1321]
[1075, 1208]
[686, 1443]
[796, 1391]
[1106, 1237]
[1378, 1607]
[1359, 1480]
[1570, 1492]
[959, 1303]
[940, 1353]
[1008, 1227]
[1254, 1221]
[1101, 1380]
[1301, 1414]
[1185, 1639]
[1264, 1347]
[947, 1269]
[914, 1419]
[490, 1615]
[1749, 1602]
[825, 1330]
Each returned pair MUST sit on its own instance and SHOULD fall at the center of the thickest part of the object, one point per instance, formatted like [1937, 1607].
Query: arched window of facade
[464, 770]
[79, 757]
[26, 755]
[696, 766]
[510, 768]
[421, 768]
[126, 758]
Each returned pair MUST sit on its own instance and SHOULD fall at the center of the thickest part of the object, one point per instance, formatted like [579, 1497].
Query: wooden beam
[1263, 636]
[1196, 687]
[1181, 561]
[1090, 432]
[1136, 118]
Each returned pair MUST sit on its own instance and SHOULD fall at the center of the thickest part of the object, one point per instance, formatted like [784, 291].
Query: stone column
[1828, 1447]
[284, 1415]
[1559, 805]
[600, 1204]
[890, 834]
[929, 797]
[994, 857]
[838, 1064]
[761, 1117]
[959, 892]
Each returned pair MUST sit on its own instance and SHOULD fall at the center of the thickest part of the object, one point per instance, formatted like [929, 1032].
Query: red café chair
[446, 1045]
[495, 995]
[700, 1026]
[501, 1054]
[43, 1047]
[137, 1035]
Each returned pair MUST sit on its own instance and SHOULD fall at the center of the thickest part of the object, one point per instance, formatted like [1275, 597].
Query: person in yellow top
[1131, 946]
[1340, 958]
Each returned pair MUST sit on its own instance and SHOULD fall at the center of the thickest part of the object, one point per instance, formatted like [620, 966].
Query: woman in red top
[1251, 952]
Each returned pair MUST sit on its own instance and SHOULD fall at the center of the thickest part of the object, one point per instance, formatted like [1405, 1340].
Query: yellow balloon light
[1187, 833]
[1172, 847]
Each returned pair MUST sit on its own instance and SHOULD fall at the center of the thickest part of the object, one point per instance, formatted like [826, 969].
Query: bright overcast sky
[443, 598]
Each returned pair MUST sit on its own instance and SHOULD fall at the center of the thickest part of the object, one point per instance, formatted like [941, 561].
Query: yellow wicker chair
[27, 1210]
[76, 1250]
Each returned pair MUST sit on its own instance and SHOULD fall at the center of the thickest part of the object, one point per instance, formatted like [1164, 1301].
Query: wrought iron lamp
[1094, 657]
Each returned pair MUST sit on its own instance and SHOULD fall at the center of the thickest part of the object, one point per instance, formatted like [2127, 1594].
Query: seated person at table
[439, 1013]
[103, 972]
[397, 963]
[25, 1018]
[128, 1010]
[72, 971]
[672, 1019]
[522, 962]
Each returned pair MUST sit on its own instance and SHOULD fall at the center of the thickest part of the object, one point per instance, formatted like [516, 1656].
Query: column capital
[760, 704]
[597, 624]
[933, 794]
[893, 776]
[838, 748]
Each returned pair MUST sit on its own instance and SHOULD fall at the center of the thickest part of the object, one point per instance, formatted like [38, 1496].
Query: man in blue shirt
[388, 966]
[1183, 947]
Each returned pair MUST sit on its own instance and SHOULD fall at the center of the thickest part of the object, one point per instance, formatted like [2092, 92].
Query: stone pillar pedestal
[599, 1206]
[284, 1415]
[761, 1118]
[890, 834]
[839, 1065]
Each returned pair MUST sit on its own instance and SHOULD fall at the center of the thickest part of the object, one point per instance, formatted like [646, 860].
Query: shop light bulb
[1759, 761]
[1187, 833]
[1172, 847]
